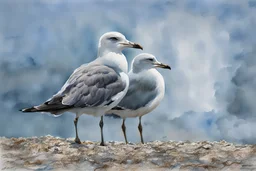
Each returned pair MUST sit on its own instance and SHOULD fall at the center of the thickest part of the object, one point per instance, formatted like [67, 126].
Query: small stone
[207, 158]
[193, 143]
[207, 146]
[56, 150]
[223, 142]
[129, 161]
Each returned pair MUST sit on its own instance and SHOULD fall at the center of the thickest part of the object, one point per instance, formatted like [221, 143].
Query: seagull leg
[77, 140]
[101, 131]
[124, 131]
[140, 129]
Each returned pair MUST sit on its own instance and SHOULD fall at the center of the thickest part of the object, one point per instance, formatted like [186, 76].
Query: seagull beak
[161, 65]
[132, 45]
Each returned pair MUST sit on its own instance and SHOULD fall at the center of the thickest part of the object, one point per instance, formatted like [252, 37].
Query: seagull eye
[150, 59]
[113, 38]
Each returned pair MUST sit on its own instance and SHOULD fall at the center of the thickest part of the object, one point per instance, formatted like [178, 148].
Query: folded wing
[91, 85]
[139, 94]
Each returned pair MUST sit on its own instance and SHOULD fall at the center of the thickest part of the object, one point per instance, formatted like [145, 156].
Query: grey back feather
[89, 86]
[139, 94]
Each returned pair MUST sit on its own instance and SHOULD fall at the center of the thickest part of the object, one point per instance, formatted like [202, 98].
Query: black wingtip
[32, 109]
[117, 108]
[113, 116]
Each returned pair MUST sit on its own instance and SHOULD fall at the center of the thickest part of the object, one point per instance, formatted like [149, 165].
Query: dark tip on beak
[137, 46]
[167, 67]
[164, 66]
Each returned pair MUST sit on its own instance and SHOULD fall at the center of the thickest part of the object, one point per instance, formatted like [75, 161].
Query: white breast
[117, 60]
[150, 75]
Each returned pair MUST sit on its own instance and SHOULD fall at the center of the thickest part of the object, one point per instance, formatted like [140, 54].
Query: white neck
[115, 60]
[137, 69]
[102, 51]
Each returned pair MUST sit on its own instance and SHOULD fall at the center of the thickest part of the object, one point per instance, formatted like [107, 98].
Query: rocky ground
[51, 153]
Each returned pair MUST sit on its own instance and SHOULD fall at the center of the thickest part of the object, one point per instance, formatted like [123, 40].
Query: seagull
[96, 87]
[145, 92]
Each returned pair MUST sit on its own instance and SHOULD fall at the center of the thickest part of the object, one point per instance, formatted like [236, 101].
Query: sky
[210, 45]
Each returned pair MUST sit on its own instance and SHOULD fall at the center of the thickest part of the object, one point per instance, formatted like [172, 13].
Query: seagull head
[115, 42]
[147, 61]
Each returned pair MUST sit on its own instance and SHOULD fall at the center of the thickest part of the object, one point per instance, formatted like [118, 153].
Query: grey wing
[139, 94]
[90, 86]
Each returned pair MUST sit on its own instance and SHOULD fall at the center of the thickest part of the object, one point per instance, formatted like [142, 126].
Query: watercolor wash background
[210, 45]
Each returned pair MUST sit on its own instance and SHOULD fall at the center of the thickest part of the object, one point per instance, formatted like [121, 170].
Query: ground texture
[51, 153]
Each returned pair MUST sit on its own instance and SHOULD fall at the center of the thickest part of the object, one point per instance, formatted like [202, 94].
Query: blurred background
[210, 45]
